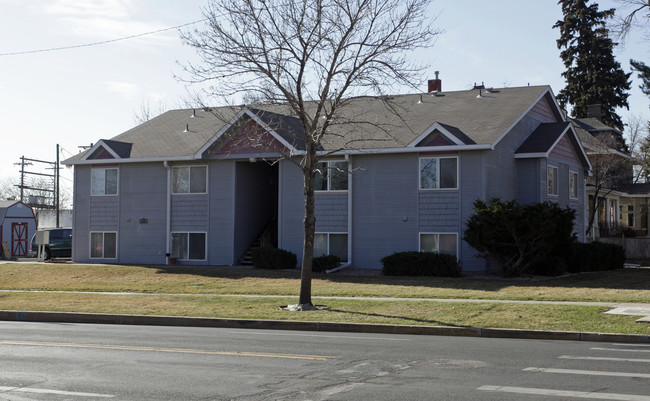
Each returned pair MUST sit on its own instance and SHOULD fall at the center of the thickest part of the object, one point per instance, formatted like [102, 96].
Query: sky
[74, 97]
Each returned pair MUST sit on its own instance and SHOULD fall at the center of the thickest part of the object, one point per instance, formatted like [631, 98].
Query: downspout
[169, 210]
[349, 262]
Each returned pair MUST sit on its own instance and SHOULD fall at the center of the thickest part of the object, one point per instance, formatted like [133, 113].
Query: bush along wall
[325, 262]
[596, 256]
[268, 257]
[420, 264]
[522, 239]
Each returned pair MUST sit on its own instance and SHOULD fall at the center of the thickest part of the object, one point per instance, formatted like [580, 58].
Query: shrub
[420, 264]
[596, 256]
[268, 257]
[325, 262]
[522, 238]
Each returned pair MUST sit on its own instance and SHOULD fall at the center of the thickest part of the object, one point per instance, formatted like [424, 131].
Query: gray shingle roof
[362, 123]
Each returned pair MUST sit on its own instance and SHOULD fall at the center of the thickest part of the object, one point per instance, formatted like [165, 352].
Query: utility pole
[57, 183]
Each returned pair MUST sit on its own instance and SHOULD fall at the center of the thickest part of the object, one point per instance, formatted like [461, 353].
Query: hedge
[420, 264]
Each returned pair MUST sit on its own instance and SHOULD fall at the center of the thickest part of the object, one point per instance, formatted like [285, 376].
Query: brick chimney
[435, 85]
[594, 110]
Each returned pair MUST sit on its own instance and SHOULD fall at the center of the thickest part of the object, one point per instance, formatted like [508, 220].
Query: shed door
[18, 239]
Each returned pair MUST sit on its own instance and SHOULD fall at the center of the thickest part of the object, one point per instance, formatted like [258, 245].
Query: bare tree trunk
[309, 225]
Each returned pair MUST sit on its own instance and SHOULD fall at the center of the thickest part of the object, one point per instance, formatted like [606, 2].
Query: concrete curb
[100, 318]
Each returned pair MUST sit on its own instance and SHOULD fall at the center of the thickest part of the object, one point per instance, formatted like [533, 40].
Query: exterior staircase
[268, 237]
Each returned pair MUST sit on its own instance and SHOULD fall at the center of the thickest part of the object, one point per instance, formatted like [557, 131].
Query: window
[438, 173]
[103, 245]
[189, 180]
[552, 180]
[439, 243]
[331, 176]
[188, 246]
[103, 181]
[331, 244]
[626, 215]
[573, 185]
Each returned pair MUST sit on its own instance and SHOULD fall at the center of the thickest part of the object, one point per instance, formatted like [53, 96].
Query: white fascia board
[96, 146]
[137, 160]
[530, 107]
[579, 142]
[531, 155]
[428, 131]
[405, 150]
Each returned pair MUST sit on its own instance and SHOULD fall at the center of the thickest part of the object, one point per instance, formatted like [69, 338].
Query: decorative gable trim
[569, 133]
[244, 112]
[105, 150]
[443, 130]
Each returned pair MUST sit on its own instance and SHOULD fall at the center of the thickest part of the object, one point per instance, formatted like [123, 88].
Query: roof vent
[193, 113]
[420, 101]
[187, 128]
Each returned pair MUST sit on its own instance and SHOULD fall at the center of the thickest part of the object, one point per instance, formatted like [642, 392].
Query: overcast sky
[77, 96]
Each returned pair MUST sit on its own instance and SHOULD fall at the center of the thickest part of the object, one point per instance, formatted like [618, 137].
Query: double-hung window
[439, 243]
[573, 185]
[188, 246]
[439, 172]
[331, 244]
[331, 176]
[551, 180]
[103, 245]
[103, 181]
[189, 179]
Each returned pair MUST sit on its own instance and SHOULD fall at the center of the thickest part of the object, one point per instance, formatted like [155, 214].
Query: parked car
[59, 245]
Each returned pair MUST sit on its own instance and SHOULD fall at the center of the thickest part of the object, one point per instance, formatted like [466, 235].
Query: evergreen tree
[593, 76]
[644, 74]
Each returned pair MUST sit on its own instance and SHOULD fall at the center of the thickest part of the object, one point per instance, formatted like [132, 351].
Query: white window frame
[347, 239]
[105, 169]
[574, 190]
[438, 234]
[438, 173]
[205, 256]
[189, 166]
[103, 233]
[554, 189]
[329, 177]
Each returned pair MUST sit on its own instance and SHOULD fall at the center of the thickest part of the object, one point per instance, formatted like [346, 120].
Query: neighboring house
[17, 225]
[202, 185]
[622, 205]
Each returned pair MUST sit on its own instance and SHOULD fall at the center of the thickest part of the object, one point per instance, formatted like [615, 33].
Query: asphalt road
[47, 361]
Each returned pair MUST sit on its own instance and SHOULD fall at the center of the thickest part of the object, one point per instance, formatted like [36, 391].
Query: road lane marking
[620, 349]
[317, 335]
[631, 345]
[588, 372]
[597, 358]
[565, 393]
[168, 350]
[47, 391]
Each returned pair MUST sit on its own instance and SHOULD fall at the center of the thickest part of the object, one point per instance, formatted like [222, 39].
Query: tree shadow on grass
[406, 318]
[629, 278]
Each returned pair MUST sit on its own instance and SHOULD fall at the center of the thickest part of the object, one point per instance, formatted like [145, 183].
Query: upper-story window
[439, 172]
[551, 180]
[331, 176]
[189, 180]
[573, 185]
[103, 181]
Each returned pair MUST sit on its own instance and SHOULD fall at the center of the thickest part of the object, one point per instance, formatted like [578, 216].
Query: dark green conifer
[593, 76]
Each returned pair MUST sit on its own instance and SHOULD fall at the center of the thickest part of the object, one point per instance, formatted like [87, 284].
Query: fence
[637, 250]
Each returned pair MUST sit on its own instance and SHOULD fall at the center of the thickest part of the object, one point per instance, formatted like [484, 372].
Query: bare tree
[8, 189]
[610, 170]
[311, 57]
[632, 14]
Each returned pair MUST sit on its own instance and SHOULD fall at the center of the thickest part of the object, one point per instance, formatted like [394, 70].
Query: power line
[99, 43]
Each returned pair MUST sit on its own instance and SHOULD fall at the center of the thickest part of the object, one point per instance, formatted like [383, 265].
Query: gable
[543, 112]
[246, 136]
[564, 151]
[100, 153]
[436, 138]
